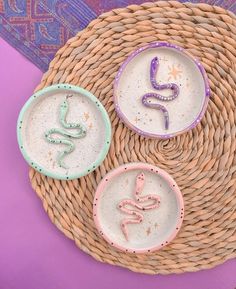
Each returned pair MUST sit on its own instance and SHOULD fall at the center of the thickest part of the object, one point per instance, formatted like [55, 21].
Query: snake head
[64, 105]
[154, 65]
[141, 177]
[139, 183]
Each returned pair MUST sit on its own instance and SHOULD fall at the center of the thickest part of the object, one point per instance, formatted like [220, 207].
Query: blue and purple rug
[38, 28]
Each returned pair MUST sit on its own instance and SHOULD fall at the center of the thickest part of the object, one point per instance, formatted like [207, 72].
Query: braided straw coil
[202, 161]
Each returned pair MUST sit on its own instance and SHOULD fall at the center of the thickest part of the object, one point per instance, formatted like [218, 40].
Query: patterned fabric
[38, 28]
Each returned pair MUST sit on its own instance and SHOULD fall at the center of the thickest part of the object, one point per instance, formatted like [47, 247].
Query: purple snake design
[172, 86]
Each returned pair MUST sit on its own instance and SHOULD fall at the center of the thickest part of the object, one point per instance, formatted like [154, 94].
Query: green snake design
[81, 132]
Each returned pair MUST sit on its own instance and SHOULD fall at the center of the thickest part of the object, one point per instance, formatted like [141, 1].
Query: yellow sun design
[86, 116]
[174, 72]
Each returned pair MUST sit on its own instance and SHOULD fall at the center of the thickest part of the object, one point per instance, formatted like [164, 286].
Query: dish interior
[44, 114]
[158, 224]
[174, 67]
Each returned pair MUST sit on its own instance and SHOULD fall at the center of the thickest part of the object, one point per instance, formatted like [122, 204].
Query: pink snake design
[138, 217]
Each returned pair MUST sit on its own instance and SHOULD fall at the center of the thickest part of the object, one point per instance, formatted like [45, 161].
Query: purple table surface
[34, 254]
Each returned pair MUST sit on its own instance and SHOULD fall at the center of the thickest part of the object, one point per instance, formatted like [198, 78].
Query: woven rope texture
[202, 161]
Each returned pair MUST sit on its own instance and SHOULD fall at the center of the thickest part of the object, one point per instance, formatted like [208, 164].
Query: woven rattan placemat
[202, 162]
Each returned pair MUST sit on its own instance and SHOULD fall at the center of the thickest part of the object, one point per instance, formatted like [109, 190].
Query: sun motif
[164, 59]
[86, 116]
[148, 231]
[174, 72]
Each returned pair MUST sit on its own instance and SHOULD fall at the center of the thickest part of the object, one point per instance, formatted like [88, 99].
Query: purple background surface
[34, 254]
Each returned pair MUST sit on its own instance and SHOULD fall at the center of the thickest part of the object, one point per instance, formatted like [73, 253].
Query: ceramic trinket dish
[138, 208]
[64, 131]
[161, 91]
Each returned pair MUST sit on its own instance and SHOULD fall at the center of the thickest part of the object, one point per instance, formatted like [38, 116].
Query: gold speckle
[164, 59]
[174, 72]
[136, 119]
[50, 153]
[148, 231]
[90, 126]
[86, 116]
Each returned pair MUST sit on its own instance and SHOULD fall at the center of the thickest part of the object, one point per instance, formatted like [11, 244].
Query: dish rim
[100, 107]
[146, 167]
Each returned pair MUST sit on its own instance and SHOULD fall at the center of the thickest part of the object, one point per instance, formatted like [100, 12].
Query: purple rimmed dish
[161, 91]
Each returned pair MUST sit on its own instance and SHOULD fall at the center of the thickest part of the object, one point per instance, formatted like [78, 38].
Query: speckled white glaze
[43, 114]
[159, 225]
[133, 81]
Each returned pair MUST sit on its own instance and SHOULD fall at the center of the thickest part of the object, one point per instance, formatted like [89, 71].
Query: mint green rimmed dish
[42, 113]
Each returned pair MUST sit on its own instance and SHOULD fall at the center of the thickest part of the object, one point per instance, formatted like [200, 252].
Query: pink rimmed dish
[148, 191]
[156, 117]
